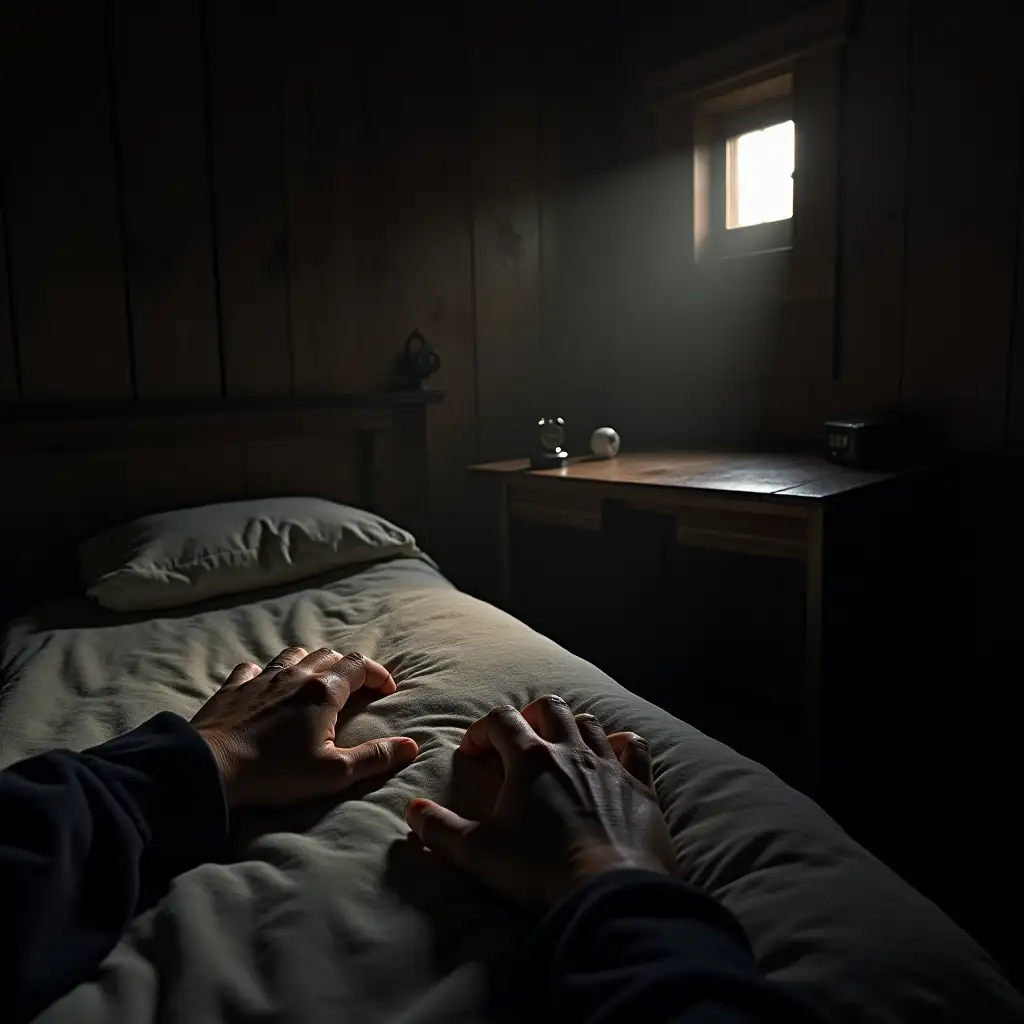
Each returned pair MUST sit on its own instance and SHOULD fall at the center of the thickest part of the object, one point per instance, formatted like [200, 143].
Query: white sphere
[604, 443]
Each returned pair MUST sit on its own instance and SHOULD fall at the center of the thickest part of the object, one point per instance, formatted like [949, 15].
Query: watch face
[552, 433]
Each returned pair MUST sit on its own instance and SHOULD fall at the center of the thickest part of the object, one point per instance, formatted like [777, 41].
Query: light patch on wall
[759, 176]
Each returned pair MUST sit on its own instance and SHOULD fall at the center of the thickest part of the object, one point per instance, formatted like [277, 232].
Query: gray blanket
[345, 920]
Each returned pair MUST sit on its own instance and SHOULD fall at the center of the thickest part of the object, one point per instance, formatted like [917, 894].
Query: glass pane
[763, 176]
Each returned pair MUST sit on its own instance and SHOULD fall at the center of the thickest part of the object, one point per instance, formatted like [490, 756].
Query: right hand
[271, 730]
[574, 803]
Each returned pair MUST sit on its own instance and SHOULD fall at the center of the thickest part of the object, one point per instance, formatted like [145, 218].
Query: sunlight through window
[759, 176]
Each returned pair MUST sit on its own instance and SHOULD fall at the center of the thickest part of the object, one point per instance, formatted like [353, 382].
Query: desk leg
[814, 589]
[504, 549]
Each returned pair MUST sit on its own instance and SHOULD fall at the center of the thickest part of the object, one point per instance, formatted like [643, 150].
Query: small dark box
[863, 444]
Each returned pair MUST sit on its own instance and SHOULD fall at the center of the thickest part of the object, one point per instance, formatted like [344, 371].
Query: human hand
[574, 803]
[272, 730]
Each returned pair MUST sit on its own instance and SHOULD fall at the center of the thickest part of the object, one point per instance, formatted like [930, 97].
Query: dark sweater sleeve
[85, 838]
[637, 946]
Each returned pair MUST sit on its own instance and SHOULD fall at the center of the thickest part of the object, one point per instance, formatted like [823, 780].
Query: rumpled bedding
[345, 919]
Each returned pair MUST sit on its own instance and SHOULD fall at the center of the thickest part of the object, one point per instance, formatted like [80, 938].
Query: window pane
[762, 176]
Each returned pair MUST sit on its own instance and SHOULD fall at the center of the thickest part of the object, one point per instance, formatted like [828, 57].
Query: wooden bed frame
[71, 470]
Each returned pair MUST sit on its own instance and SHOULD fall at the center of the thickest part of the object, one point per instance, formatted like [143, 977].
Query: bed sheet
[347, 920]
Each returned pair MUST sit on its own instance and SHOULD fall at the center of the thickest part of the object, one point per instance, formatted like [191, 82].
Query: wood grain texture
[586, 262]
[964, 152]
[246, 54]
[99, 466]
[405, 491]
[816, 109]
[874, 143]
[159, 429]
[557, 508]
[60, 202]
[744, 473]
[78, 493]
[324, 202]
[416, 270]
[506, 229]
[325, 467]
[751, 54]
[726, 502]
[9, 387]
[159, 82]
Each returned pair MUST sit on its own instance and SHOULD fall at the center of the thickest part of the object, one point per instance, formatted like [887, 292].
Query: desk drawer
[756, 533]
[557, 507]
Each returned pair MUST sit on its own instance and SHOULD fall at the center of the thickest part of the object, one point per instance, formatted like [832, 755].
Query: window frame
[717, 121]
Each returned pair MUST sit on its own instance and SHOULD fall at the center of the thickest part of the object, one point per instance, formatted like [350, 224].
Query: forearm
[634, 945]
[83, 836]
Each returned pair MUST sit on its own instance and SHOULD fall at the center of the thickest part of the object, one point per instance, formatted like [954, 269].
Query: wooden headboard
[71, 470]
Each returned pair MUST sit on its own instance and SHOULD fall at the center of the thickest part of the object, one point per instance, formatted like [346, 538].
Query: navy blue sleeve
[638, 946]
[85, 839]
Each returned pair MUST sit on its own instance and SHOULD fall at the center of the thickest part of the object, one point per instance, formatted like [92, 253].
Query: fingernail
[413, 809]
[640, 741]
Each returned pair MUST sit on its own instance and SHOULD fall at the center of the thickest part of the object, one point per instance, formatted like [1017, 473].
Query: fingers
[348, 672]
[594, 736]
[549, 716]
[322, 660]
[344, 767]
[439, 829]
[242, 673]
[634, 755]
[371, 674]
[505, 730]
[288, 657]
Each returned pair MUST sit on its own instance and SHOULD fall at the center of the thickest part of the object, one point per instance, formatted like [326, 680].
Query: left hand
[573, 803]
[272, 729]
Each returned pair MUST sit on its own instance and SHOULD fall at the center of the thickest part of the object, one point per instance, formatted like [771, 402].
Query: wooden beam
[246, 48]
[506, 229]
[962, 235]
[60, 205]
[159, 82]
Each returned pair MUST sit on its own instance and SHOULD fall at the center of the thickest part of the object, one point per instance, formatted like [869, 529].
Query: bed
[329, 913]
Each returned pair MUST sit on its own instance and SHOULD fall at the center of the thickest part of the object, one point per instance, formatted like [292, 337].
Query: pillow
[176, 558]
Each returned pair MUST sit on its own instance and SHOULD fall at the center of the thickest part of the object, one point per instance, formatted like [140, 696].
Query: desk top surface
[782, 475]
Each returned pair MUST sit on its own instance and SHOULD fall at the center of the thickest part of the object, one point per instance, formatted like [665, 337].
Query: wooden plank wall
[962, 197]
[506, 213]
[246, 123]
[217, 198]
[928, 189]
[161, 138]
[245, 199]
[65, 256]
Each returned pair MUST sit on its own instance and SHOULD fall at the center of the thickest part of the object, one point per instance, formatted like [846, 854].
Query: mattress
[345, 919]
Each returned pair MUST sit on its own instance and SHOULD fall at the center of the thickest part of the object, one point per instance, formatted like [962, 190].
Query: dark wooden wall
[241, 200]
[923, 319]
[217, 198]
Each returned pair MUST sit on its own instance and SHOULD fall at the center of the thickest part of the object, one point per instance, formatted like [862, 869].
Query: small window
[759, 176]
[744, 165]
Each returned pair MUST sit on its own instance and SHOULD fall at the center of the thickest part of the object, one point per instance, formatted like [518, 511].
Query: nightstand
[829, 522]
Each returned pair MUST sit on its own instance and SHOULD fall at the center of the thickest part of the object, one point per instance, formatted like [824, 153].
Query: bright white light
[761, 176]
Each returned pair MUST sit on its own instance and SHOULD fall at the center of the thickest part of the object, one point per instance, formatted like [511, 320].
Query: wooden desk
[774, 505]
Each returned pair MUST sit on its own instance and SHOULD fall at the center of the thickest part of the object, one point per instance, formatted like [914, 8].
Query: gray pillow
[176, 558]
